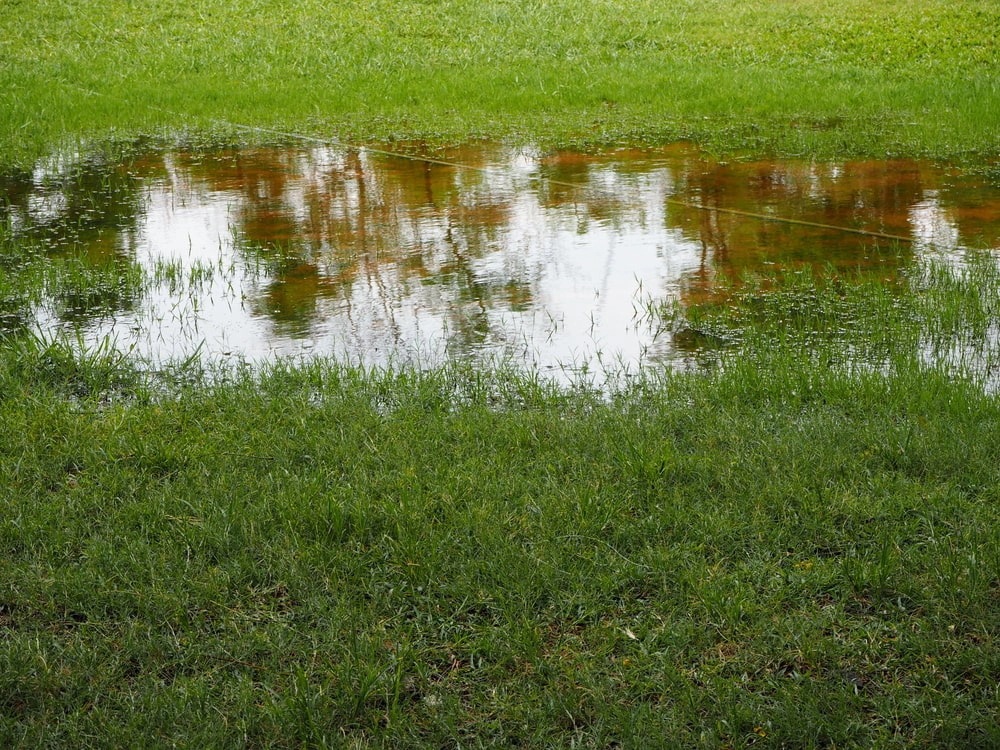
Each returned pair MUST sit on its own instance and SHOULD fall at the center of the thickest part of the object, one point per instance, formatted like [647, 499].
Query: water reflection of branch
[390, 244]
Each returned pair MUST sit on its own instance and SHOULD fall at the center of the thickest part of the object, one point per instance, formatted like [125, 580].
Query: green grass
[71, 285]
[856, 77]
[789, 550]
[798, 546]
[939, 312]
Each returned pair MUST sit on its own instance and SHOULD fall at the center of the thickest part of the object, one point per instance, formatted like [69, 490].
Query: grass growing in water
[74, 285]
[786, 550]
[939, 312]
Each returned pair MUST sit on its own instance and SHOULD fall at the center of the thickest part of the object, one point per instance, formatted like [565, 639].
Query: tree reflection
[331, 225]
[379, 235]
[390, 243]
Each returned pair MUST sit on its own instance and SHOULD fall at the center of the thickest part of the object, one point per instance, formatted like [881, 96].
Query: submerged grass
[942, 312]
[852, 77]
[786, 551]
[72, 285]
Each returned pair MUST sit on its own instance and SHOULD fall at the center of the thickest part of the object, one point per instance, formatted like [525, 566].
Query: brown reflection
[870, 197]
[326, 221]
[902, 197]
[381, 240]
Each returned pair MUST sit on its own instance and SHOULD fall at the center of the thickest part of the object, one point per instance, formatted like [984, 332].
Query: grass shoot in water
[939, 312]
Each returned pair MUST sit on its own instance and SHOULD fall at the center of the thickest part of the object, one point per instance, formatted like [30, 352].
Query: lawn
[814, 77]
[796, 547]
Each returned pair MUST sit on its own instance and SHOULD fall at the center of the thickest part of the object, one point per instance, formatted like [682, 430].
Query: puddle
[541, 259]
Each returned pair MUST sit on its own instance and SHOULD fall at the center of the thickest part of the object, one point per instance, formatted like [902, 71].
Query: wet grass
[844, 78]
[787, 550]
[72, 286]
[939, 311]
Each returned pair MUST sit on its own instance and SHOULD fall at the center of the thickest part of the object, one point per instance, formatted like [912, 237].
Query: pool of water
[539, 258]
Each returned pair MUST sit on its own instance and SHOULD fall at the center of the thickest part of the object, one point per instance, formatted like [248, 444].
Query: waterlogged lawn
[796, 543]
[549, 259]
[795, 548]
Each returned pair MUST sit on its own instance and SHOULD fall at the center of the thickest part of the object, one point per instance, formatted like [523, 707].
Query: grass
[71, 285]
[797, 546]
[785, 551]
[849, 78]
[934, 312]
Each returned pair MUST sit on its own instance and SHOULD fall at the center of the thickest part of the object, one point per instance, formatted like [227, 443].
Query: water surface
[544, 259]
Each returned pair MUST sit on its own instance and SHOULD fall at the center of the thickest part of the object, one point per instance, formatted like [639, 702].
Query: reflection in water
[540, 258]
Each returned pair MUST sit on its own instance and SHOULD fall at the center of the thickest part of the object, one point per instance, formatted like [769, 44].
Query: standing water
[543, 259]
